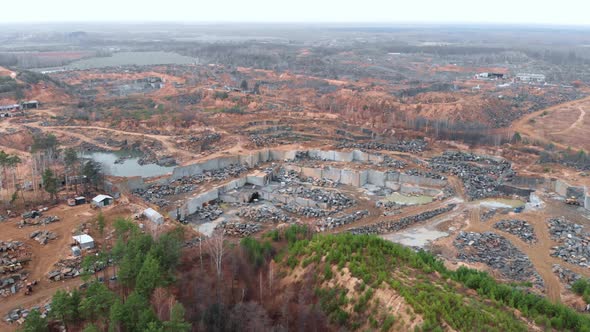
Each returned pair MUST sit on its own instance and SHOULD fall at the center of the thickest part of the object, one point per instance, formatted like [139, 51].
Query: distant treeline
[472, 133]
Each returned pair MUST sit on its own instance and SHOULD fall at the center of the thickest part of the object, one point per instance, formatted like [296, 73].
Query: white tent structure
[153, 216]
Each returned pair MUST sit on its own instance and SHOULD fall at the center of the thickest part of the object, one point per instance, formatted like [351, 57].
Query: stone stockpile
[396, 225]
[12, 255]
[574, 245]
[480, 175]
[414, 146]
[12, 284]
[498, 253]
[66, 269]
[520, 228]
[264, 214]
[239, 229]
[333, 222]
[43, 236]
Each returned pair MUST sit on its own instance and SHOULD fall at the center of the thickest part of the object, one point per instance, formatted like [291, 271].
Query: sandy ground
[562, 124]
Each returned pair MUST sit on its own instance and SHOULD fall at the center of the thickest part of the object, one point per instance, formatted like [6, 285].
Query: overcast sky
[568, 12]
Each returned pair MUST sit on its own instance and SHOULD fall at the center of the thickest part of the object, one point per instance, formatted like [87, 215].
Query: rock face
[498, 253]
[575, 244]
[396, 225]
[520, 228]
[480, 175]
[333, 222]
[415, 145]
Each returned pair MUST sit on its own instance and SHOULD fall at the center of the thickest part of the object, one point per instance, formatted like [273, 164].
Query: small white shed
[85, 241]
[153, 216]
[102, 200]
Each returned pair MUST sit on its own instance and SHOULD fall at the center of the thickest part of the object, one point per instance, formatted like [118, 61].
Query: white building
[538, 78]
[85, 241]
[102, 200]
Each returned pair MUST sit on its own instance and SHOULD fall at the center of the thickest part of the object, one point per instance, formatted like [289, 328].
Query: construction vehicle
[572, 201]
[29, 289]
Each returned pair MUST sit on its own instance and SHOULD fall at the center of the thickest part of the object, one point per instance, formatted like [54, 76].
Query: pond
[128, 167]
[126, 59]
[501, 203]
[402, 199]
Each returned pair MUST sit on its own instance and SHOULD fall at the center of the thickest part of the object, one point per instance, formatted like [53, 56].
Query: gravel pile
[520, 228]
[396, 225]
[498, 253]
[333, 222]
[575, 243]
[480, 175]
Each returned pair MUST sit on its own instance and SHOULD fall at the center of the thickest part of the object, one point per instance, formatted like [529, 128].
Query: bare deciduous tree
[215, 245]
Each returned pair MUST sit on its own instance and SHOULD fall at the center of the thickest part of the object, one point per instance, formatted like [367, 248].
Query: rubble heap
[66, 269]
[206, 213]
[520, 228]
[43, 236]
[333, 222]
[290, 177]
[566, 275]
[38, 220]
[11, 284]
[306, 211]
[262, 141]
[393, 163]
[394, 226]
[333, 199]
[414, 146]
[575, 244]
[480, 175]
[19, 315]
[238, 229]
[498, 253]
[156, 193]
[430, 175]
[264, 214]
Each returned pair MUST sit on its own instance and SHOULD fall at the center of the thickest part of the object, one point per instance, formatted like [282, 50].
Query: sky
[553, 12]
